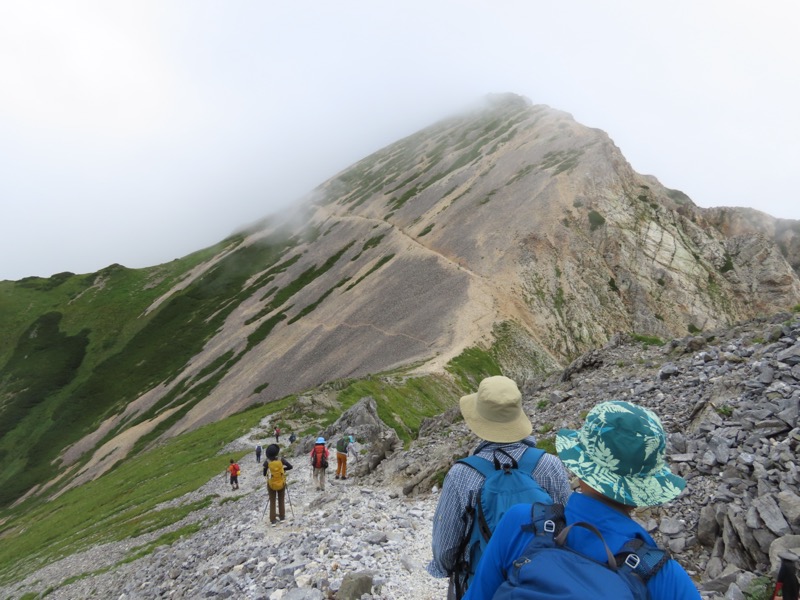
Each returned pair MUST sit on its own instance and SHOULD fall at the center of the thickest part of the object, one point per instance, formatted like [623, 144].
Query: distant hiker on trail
[618, 456]
[258, 453]
[277, 435]
[461, 523]
[275, 473]
[319, 462]
[341, 455]
[234, 470]
[292, 438]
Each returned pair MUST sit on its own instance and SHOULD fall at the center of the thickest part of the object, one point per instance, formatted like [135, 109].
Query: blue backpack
[507, 482]
[550, 570]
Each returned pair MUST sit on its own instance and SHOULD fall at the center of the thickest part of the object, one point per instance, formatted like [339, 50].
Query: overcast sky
[138, 131]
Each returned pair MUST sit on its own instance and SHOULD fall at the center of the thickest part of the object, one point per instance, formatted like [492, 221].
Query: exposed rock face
[512, 215]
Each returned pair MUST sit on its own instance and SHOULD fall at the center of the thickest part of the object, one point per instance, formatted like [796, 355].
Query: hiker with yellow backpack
[275, 473]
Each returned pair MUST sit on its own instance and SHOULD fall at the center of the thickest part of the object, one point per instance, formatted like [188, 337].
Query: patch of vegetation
[319, 301]
[612, 285]
[488, 197]
[402, 404]
[383, 260]
[426, 231]
[471, 366]
[397, 203]
[648, 340]
[728, 265]
[796, 308]
[305, 278]
[548, 445]
[542, 404]
[520, 174]
[561, 160]
[724, 410]
[693, 329]
[166, 539]
[558, 299]
[595, 220]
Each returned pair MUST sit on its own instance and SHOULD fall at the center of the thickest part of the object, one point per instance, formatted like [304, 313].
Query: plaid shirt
[460, 489]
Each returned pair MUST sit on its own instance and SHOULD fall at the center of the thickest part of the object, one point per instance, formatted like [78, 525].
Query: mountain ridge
[512, 230]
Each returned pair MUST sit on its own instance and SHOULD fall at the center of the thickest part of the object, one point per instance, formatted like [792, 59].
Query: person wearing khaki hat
[618, 456]
[494, 414]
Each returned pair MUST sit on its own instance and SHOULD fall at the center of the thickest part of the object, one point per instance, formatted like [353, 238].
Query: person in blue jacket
[619, 457]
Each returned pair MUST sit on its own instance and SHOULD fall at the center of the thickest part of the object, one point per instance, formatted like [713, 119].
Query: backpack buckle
[549, 526]
[632, 560]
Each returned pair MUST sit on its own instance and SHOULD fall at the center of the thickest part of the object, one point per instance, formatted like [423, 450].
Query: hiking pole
[289, 498]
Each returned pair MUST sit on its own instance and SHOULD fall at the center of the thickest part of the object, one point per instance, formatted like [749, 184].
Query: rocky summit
[729, 398]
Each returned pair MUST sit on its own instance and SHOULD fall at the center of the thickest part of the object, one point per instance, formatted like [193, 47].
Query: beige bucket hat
[495, 413]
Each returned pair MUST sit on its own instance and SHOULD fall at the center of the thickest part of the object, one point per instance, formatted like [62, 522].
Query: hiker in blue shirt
[494, 414]
[618, 456]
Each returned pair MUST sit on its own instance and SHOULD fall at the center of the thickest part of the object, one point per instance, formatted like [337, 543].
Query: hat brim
[654, 489]
[504, 432]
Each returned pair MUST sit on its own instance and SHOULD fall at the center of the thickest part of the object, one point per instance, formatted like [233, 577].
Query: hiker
[618, 457]
[275, 473]
[319, 462]
[495, 415]
[292, 438]
[258, 453]
[342, 447]
[277, 435]
[233, 469]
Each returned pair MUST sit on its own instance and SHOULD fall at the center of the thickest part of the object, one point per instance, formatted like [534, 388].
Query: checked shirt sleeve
[552, 476]
[449, 524]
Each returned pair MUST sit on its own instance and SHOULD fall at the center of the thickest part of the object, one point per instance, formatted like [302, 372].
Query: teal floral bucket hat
[619, 451]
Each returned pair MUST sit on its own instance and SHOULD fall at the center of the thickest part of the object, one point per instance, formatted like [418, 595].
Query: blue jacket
[508, 543]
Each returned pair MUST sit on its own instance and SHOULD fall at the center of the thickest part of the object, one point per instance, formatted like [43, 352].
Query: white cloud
[138, 132]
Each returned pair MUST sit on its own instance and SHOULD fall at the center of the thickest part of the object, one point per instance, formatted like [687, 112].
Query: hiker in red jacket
[233, 469]
[319, 461]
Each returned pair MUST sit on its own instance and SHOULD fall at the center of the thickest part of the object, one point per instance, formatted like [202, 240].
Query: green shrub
[760, 588]
[728, 266]
[693, 329]
[726, 410]
[596, 220]
[648, 340]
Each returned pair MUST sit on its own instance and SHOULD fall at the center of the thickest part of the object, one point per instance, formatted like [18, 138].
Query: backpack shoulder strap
[546, 519]
[480, 464]
[637, 556]
[529, 460]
